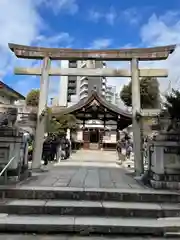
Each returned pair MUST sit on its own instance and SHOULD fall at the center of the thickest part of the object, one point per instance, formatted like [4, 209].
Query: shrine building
[100, 122]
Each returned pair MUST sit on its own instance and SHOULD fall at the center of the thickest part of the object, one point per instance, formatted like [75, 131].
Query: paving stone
[27, 202]
[61, 184]
[36, 224]
[78, 178]
[105, 179]
[84, 208]
[133, 205]
[134, 222]
[117, 225]
[92, 178]
[122, 186]
[74, 203]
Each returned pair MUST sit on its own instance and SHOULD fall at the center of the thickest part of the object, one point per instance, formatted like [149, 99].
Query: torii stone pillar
[41, 120]
[136, 108]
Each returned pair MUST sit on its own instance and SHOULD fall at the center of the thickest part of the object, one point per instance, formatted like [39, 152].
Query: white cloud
[159, 31]
[60, 39]
[68, 6]
[131, 15]
[101, 43]
[112, 15]
[119, 82]
[95, 16]
[109, 16]
[21, 23]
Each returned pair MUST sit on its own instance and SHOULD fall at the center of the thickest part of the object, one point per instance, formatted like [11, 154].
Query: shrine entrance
[134, 56]
[94, 135]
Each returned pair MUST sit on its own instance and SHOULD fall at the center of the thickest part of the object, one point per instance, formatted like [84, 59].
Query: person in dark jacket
[47, 151]
[67, 148]
[118, 148]
[63, 147]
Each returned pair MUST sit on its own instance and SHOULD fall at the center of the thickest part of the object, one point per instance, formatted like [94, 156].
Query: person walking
[46, 151]
[67, 148]
[63, 147]
[118, 149]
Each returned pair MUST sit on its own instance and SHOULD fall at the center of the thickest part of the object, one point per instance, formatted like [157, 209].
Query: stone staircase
[87, 211]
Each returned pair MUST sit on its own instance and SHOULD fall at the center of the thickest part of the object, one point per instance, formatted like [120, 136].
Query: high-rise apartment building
[68, 84]
[75, 88]
[87, 84]
[111, 94]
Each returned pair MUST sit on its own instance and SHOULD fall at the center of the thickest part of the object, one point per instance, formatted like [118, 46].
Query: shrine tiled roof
[10, 91]
[94, 97]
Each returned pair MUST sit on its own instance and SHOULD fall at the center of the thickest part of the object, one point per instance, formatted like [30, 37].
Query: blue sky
[84, 24]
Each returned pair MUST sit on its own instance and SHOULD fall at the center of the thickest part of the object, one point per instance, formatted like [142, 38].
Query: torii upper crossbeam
[144, 54]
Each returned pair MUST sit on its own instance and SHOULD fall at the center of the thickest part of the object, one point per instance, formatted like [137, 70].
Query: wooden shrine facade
[97, 108]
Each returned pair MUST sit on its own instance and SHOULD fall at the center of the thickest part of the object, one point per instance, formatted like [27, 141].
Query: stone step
[85, 225]
[172, 235]
[165, 185]
[90, 208]
[100, 194]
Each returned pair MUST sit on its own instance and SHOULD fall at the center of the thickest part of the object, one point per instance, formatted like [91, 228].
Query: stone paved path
[86, 169]
[84, 177]
[94, 156]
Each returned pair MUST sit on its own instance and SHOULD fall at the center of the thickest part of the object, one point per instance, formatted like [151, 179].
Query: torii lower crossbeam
[98, 72]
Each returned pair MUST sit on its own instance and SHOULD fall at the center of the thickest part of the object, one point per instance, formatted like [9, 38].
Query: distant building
[9, 95]
[111, 94]
[75, 88]
[87, 84]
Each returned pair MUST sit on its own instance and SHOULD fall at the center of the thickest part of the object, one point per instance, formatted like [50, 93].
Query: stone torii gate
[132, 55]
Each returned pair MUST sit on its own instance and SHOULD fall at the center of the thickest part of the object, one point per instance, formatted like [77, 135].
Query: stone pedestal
[164, 161]
[10, 146]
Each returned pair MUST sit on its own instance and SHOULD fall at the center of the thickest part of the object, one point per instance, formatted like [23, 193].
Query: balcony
[83, 64]
[71, 85]
[82, 90]
[71, 91]
[83, 95]
[104, 80]
[84, 83]
[83, 78]
[103, 87]
[72, 64]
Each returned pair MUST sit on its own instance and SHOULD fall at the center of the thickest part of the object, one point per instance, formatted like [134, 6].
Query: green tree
[68, 121]
[149, 93]
[32, 98]
[172, 105]
[59, 124]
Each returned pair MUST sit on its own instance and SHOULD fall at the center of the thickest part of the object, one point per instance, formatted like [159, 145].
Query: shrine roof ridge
[105, 103]
[144, 54]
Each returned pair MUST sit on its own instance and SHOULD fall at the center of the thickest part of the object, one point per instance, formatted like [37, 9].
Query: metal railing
[5, 169]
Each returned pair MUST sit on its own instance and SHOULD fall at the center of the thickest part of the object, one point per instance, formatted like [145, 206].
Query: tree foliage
[32, 98]
[149, 93]
[58, 125]
[172, 104]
